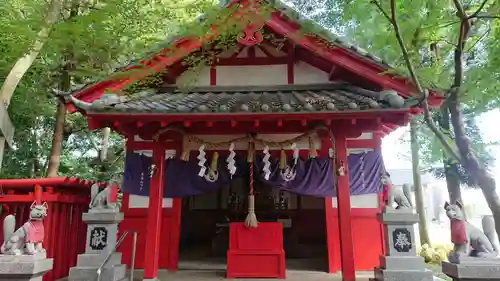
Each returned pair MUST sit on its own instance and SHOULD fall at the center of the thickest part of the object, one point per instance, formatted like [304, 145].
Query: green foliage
[431, 153]
[90, 40]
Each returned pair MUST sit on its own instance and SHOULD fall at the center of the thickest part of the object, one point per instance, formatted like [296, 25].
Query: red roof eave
[279, 24]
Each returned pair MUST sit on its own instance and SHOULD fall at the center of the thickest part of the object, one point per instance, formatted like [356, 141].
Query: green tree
[466, 69]
[89, 39]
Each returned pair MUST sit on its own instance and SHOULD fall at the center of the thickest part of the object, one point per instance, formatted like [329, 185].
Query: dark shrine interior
[205, 223]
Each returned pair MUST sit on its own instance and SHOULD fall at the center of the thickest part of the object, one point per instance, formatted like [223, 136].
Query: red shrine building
[292, 118]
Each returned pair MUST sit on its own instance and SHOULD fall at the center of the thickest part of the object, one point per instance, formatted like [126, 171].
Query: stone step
[96, 260]
[115, 273]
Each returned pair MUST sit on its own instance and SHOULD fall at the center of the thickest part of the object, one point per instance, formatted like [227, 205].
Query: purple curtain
[313, 177]
[137, 174]
[364, 172]
[182, 180]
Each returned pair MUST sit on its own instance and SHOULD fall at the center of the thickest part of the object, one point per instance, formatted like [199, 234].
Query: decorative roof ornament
[392, 97]
[251, 35]
[103, 102]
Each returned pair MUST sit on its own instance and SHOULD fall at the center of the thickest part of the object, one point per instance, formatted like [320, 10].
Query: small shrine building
[293, 118]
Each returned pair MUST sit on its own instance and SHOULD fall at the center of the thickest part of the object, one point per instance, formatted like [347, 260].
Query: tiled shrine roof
[262, 99]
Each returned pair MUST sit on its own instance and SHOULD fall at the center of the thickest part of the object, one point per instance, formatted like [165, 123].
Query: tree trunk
[481, 176]
[57, 140]
[417, 183]
[450, 165]
[103, 154]
[23, 64]
[33, 152]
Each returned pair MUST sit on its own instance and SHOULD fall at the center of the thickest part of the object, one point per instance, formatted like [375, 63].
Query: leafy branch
[392, 18]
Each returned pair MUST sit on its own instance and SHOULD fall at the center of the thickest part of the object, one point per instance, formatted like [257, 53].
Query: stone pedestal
[102, 234]
[401, 261]
[24, 267]
[472, 269]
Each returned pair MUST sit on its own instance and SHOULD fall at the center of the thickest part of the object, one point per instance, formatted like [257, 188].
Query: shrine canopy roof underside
[327, 98]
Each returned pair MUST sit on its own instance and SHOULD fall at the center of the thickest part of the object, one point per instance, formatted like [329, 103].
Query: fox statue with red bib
[28, 238]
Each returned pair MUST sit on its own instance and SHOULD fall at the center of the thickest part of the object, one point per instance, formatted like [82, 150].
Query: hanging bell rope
[215, 159]
[312, 149]
[185, 152]
[251, 219]
[283, 160]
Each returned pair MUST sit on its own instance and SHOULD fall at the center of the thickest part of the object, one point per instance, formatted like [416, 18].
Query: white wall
[141, 202]
[361, 201]
[255, 75]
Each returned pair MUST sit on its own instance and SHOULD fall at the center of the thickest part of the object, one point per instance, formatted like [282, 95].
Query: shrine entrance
[205, 221]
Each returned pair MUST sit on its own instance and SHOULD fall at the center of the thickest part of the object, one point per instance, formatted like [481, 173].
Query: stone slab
[472, 271]
[23, 258]
[474, 260]
[402, 217]
[95, 260]
[116, 273]
[403, 275]
[24, 267]
[394, 246]
[102, 217]
[435, 279]
[402, 263]
[108, 234]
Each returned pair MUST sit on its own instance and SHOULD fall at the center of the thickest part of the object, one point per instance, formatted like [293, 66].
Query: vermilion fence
[65, 232]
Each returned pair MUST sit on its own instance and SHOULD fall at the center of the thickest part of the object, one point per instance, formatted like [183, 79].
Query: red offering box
[256, 252]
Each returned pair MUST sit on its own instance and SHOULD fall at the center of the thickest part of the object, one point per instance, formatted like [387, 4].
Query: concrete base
[102, 217]
[24, 267]
[114, 273]
[405, 217]
[87, 265]
[95, 260]
[473, 269]
[403, 275]
[402, 263]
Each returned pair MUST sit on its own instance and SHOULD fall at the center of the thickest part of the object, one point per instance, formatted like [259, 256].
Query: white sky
[392, 148]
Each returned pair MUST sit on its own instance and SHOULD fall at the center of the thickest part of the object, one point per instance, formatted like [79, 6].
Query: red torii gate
[67, 199]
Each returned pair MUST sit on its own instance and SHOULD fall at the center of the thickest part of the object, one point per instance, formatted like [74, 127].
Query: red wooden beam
[344, 211]
[148, 145]
[265, 51]
[251, 52]
[251, 61]
[59, 181]
[291, 63]
[96, 120]
[154, 220]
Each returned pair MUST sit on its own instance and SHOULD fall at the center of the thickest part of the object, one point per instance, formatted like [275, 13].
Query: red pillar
[344, 210]
[152, 252]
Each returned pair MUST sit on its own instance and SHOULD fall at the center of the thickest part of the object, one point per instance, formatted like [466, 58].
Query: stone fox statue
[468, 239]
[401, 196]
[105, 199]
[28, 238]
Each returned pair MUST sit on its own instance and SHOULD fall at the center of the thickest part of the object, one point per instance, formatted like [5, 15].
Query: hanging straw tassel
[185, 153]
[283, 160]
[215, 159]
[312, 150]
[251, 219]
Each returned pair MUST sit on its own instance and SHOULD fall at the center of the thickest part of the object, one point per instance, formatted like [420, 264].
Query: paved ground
[211, 270]
[205, 275]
